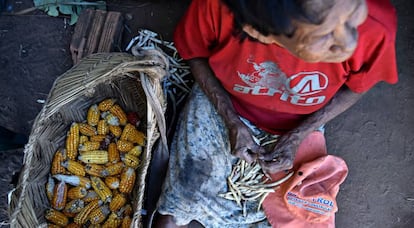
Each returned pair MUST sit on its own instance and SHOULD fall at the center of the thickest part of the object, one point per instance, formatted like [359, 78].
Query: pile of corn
[93, 175]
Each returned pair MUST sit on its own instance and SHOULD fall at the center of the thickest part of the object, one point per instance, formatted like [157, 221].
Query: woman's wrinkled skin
[332, 41]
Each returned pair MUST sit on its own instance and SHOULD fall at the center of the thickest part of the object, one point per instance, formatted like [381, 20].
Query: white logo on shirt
[302, 89]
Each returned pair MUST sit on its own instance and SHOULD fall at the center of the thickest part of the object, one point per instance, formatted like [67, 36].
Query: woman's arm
[241, 141]
[283, 154]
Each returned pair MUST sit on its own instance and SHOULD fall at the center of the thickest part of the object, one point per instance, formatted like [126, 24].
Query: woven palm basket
[134, 81]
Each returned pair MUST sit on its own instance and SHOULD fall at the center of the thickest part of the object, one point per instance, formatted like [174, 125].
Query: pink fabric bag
[308, 198]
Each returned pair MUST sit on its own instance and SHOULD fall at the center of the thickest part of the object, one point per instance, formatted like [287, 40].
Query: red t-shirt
[267, 84]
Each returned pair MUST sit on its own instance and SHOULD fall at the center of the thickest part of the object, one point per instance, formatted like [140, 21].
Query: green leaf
[73, 19]
[66, 9]
[53, 11]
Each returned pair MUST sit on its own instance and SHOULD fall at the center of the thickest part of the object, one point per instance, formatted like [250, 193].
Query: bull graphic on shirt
[303, 88]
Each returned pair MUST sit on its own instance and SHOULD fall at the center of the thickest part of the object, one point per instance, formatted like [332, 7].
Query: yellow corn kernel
[60, 194]
[74, 180]
[115, 130]
[94, 157]
[106, 104]
[77, 192]
[117, 202]
[58, 158]
[83, 138]
[74, 206]
[124, 146]
[114, 169]
[131, 161]
[50, 187]
[87, 129]
[126, 222]
[110, 119]
[72, 141]
[93, 115]
[97, 138]
[74, 167]
[113, 221]
[113, 153]
[69, 215]
[127, 180]
[117, 111]
[88, 146]
[100, 187]
[56, 217]
[99, 214]
[136, 151]
[130, 133]
[103, 127]
[83, 215]
[91, 196]
[94, 170]
[112, 182]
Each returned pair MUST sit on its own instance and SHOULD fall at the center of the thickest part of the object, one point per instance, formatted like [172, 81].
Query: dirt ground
[375, 137]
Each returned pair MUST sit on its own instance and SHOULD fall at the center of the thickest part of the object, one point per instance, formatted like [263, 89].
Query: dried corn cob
[99, 214]
[100, 187]
[113, 221]
[94, 169]
[74, 167]
[106, 104]
[90, 196]
[127, 180]
[77, 192]
[136, 151]
[124, 146]
[114, 169]
[74, 180]
[113, 153]
[126, 210]
[111, 119]
[97, 138]
[88, 146]
[131, 161]
[117, 202]
[59, 196]
[56, 217]
[117, 111]
[130, 133]
[74, 206]
[83, 215]
[83, 138]
[126, 222]
[58, 158]
[115, 130]
[112, 182]
[51, 225]
[93, 115]
[73, 225]
[72, 141]
[87, 129]
[103, 127]
[94, 157]
[50, 187]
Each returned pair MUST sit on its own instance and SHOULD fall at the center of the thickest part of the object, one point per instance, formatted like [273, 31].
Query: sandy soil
[375, 137]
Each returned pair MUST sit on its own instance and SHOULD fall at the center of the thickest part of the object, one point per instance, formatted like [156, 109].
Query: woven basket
[133, 81]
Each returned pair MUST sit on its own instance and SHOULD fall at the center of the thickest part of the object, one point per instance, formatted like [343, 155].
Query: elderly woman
[270, 68]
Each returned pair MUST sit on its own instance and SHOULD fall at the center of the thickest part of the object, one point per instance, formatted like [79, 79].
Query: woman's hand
[282, 156]
[242, 142]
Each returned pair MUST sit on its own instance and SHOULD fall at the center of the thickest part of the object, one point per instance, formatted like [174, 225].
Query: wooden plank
[94, 34]
[79, 36]
[111, 34]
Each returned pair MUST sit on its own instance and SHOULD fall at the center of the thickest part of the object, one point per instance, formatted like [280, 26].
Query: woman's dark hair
[274, 17]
